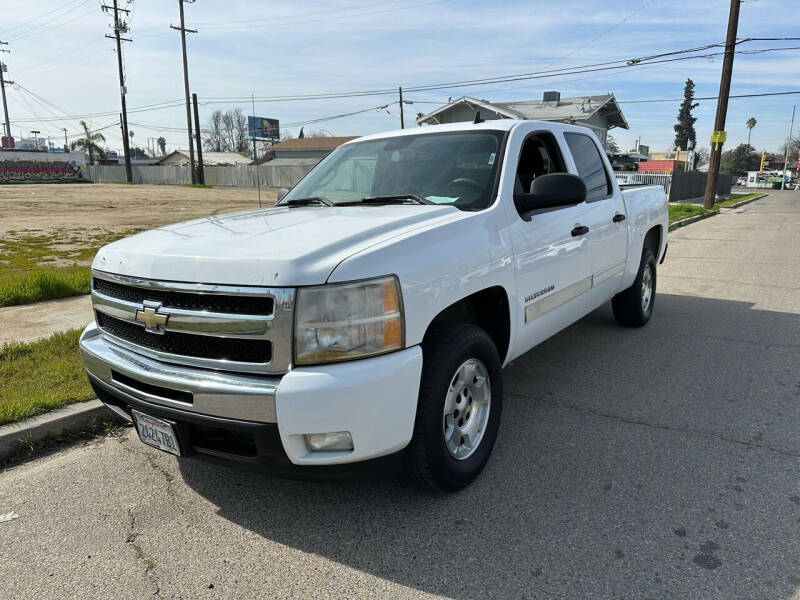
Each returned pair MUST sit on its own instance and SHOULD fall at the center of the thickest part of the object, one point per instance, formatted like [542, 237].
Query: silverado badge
[153, 321]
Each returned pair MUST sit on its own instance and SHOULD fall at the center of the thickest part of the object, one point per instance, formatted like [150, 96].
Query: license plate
[157, 433]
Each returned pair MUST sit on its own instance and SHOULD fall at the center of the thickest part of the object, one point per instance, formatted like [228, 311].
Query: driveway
[650, 463]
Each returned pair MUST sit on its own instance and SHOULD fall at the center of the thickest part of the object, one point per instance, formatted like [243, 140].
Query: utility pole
[3, 88]
[183, 31]
[788, 144]
[201, 176]
[718, 136]
[402, 120]
[121, 27]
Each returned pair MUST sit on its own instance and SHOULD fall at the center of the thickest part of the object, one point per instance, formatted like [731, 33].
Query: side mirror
[282, 192]
[550, 191]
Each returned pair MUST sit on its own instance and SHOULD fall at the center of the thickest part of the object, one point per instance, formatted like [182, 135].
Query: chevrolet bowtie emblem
[153, 320]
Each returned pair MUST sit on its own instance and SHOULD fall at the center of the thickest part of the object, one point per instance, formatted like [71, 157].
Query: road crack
[664, 427]
[139, 553]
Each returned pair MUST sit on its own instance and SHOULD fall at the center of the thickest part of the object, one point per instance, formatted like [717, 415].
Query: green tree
[750, 123]
[162, 145]
[738, 161]
[89, 143]
[684, 128]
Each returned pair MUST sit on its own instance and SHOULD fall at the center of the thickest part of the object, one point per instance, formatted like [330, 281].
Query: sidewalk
[30, 322]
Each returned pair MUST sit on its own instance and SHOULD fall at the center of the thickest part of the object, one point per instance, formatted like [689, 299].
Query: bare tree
[227, 132]
[240, 128]
[212, 141]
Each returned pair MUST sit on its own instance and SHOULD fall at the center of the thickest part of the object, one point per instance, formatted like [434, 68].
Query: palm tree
[162, 145]
[751, 122]
[89, 143]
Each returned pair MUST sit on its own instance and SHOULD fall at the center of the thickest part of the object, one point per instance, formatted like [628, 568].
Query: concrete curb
[73, 417]
[696, 218]
[690, 220]
[743, 202]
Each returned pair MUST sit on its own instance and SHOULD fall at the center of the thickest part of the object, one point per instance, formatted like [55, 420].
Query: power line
[49, 13]
[37, 30]
[709, 97]
[604, 33]
[281, 19]
[591, 68]
[340, 15]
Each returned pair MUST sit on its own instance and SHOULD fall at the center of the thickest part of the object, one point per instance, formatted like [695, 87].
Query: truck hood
[267, 247]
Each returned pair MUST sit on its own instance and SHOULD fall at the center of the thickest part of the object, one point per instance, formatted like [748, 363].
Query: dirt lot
[50, 208]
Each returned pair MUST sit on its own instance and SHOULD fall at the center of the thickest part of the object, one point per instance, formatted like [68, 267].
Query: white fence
[274, 176]
[643, 178]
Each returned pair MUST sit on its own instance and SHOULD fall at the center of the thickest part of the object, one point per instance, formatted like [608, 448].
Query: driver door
[551, 259]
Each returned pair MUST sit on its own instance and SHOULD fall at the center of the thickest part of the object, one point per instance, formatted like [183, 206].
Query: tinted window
[590, 165]
[539, 156]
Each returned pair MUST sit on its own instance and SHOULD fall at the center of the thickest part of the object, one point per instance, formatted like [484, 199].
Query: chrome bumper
[214, 393]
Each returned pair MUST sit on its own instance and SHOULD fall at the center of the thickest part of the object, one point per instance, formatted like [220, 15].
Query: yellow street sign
[719, 136]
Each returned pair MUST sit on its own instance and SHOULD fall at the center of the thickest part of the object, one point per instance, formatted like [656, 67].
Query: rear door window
[590, 166]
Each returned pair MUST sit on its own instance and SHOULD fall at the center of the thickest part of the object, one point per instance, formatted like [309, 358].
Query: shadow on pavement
[654, 462]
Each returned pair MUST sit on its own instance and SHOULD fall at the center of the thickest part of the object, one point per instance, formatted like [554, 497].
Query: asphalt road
[653, 463]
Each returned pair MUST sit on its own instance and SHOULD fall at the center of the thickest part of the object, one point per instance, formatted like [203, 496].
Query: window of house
[590, 166]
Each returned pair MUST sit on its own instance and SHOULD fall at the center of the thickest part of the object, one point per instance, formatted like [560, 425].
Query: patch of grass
[44, 267]
[41, 376]
[196, 185]
[734, 199]
[683, 210]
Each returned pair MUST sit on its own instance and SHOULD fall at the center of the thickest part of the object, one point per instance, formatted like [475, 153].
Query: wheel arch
[652, 240]
[488, 309]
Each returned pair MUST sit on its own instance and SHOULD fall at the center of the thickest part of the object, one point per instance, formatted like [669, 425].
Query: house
[315, 148]
[600, 113]
[210, 159]
[661, 166]
[680, 157]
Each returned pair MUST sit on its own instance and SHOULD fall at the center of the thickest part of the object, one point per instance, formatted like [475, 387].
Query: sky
[65, 69]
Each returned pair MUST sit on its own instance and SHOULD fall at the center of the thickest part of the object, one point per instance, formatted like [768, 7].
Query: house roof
[566, 110]
[312, 143]
[209, 158]
[288, 162]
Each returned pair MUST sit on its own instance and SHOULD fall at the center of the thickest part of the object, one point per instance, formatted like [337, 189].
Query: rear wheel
[633, 307]
[458, 412]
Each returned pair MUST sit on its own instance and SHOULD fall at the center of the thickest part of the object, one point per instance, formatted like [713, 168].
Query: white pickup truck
[362, 323]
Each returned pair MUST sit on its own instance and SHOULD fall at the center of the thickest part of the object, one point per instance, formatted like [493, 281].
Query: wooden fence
[242, 176]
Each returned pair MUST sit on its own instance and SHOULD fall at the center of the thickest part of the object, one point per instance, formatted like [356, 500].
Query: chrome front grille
[231, 328]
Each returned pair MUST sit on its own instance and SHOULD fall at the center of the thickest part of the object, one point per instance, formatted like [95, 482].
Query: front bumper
[260, 421]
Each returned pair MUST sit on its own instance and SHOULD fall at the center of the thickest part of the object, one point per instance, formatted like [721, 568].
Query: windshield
[453, 168]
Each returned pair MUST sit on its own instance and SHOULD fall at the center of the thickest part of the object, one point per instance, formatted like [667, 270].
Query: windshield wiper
[398, 199]
[308, 201]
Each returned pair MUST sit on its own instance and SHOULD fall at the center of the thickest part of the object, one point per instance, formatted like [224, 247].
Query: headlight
[350, 320]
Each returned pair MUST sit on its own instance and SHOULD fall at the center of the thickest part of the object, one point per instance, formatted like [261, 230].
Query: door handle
[580, 230]
[619, 217]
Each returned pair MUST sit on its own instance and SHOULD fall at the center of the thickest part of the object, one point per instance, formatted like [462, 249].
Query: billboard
[263, 128]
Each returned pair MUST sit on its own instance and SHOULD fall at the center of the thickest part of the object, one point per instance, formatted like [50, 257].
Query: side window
[590, 166]
[539, 156]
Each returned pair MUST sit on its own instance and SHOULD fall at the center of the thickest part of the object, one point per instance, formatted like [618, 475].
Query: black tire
[629, 308]
[428, 462]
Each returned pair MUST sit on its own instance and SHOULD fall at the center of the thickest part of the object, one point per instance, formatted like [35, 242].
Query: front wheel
[633, 307]
[458, 412]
